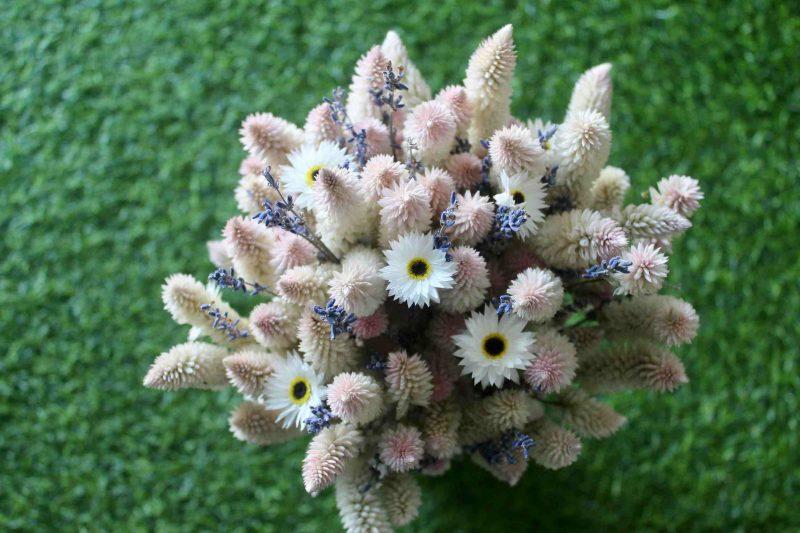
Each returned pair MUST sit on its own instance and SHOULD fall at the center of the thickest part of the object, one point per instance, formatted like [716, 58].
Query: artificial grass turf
[118, 157]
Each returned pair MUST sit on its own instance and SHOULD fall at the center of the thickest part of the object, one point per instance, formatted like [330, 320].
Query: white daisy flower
[523, 192]
[298, 176]
[293, 389]
[416, 270]
[493, 349]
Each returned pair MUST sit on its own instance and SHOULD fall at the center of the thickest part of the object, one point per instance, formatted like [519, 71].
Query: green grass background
[118, 157]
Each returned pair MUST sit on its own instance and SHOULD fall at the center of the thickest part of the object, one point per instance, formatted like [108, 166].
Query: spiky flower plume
[327, 455]
[593, 91]
[432, 280]
[252, 422]
[196, 365]
[488, 84]
[409, 381]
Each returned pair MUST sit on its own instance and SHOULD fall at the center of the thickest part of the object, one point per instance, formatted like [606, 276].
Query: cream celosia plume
[588, 416]
[634, 365]
[488, 84]
[402, 498]
[252, 422]
[593, 91]
[327, 456]
[196, 365]
[409, 381]
[248, 369]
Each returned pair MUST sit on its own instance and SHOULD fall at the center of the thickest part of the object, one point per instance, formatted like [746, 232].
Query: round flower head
[299, 175]
[433, 127]
[269, 137]
[679, 193]
[493, 349]
[647, 271]
[536, 294]
[455, 99]
[252, 165]
[416, 270]
[381, 172]
[293, 389]
[465, 169]
[526, 193]
[474, 217]
[377, 136]
[514, 149]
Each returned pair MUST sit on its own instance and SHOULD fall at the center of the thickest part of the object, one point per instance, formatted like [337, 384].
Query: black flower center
[494, 346]
[518, 197]
[418, 268]
[299, 390]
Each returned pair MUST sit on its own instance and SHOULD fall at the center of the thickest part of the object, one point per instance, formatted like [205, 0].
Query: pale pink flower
[465, 169]
[440, 186]
[455, 99]
[515, 150]
[555, 363]
[536, 294]
[401, 448]
[381, 172]
[433, 127]
[320, 126]
[473, 218]
[252, 165]
[269, 137]
[368, 327]
[355, 398]
[679, 193]
[471, 281]
[377, 136]
[647, 271]
[290, 251]
[405, 208]
[272, 325]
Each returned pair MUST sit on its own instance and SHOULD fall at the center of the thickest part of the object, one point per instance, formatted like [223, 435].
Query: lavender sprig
[339, 320]
[504, 305]
[228, 280]
[441, 240]
[376, 362]
[320, 418]
[340, 117]
[507, 222]
[392, 83]
[222, 322]
[283, 215]
[412, 163]
[615, 264]
[501, 451]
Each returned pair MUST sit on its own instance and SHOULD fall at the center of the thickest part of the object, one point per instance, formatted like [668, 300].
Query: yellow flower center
[419, 269]
[494, 346]
[311, 174]
[518, 196]
[300, 391]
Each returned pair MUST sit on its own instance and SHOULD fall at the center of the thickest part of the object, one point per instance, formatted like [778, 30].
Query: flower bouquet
[433, 280]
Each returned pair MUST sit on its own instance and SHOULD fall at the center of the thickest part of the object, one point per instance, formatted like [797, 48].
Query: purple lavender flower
[339, 320]
[222, 322]
[320, 418]
[605, 267]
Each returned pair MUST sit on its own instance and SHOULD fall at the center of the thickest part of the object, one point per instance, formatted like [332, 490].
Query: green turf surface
[118, 157]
